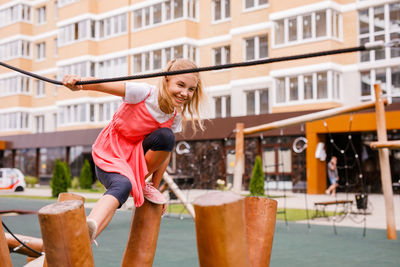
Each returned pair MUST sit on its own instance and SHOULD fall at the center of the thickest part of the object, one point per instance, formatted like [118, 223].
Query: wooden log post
[65, 234]
[221, 230]
[384, 163]
[260, 227]
[69, 196]
[239, 161]
[32, 242]
[5, 258]
[143, 236]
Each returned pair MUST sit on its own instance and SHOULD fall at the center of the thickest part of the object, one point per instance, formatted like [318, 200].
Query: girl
[138, 141]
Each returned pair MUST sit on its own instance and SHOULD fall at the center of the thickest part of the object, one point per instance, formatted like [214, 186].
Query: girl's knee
[166, 139]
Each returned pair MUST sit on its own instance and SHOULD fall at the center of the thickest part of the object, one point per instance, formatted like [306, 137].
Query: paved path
[375, 219]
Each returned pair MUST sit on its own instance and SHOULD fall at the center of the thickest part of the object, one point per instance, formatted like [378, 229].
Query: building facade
[126, 37]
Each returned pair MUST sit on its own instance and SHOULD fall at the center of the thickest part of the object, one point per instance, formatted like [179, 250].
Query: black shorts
[118, 185]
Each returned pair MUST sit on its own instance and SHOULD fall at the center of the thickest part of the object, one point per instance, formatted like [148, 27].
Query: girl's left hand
[70, 81]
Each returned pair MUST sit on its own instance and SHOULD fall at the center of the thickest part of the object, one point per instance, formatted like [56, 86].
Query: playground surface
[295, 244]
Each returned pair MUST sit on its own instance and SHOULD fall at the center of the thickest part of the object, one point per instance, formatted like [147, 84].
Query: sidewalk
[375, 219]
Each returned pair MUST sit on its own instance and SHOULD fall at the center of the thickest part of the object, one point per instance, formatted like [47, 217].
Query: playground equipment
[382, 139]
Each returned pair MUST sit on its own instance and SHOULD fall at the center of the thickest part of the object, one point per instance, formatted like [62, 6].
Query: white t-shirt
[137, 92]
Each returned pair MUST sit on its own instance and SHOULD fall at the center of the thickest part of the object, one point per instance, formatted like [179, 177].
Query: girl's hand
[70, 81]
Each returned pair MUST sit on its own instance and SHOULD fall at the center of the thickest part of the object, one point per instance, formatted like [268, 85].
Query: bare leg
[103, 211]
[157, 163]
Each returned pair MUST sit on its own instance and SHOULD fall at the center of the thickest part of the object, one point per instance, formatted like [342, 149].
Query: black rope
[201, 69]
[22, 243]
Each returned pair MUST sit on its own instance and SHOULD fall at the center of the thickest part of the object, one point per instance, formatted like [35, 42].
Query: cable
[374, 45]
[22, 243]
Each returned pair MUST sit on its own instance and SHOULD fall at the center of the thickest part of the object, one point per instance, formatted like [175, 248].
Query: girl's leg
[118, 190]
[157, 162]
[103, 212]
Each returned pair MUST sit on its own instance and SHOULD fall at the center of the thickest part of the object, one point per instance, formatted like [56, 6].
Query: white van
[12, 179]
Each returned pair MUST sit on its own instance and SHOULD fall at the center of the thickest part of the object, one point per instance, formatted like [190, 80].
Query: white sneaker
[92, 227]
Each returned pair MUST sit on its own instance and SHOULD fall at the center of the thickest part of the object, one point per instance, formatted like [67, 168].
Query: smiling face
[181, 88]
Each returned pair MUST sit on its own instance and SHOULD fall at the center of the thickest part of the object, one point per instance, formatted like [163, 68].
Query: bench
[321, 206]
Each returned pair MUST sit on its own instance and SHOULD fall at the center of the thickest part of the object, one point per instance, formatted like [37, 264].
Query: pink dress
[119, 149]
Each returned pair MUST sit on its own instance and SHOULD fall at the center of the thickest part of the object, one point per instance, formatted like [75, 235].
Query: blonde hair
[191, 108]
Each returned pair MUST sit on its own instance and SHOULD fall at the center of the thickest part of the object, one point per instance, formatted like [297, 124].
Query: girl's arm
[113, 88]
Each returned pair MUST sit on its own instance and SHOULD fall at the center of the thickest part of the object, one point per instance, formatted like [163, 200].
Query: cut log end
[217, 198]
[61, 207]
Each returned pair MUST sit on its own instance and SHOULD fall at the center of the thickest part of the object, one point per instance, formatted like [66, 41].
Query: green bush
[75, 183]
[31, 181]
[68, 174]
[58, 181]
[86, 178]
[257, 179]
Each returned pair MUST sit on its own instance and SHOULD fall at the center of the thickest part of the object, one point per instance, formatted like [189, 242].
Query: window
[15, 85]
[280, 90]
[14, 121]
[81, 69]
[39, 124]
[74, 32]
[112, 68]
[384, 22]
[62, 3]
[307, 27]
[308, 87]
[154, 60]
[85, 112]
[15, 49]
[222, 106]
[255, 3]
[41, 15]
[164, 12]
[55, 43]
[222, 55]
[389, 78]
[14, 14]
[322, 85]
[221, 10]
[40, 88]
[256, 48]
[257, 102]
[41, 51]
[277, 160]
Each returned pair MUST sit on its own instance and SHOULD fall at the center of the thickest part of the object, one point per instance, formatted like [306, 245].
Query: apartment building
[40, 121]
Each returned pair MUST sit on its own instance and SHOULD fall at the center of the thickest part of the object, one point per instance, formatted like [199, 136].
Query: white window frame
[329, 13]
[257, 100]
[225, 55]
[256, 6]
[41, 51]
[41, 16]
[224, 106]
[224, 16]
[256, 47]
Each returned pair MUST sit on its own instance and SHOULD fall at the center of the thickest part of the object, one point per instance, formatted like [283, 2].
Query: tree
[58, 181]
[257, 179]
[67, 173]
[86, 177]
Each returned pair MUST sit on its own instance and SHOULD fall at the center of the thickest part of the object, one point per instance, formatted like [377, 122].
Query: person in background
[333, 177]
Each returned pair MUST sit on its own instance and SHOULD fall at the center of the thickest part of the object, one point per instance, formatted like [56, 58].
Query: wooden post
[142, 241]
[239, 162]
[221, 230]
[260, 227]
[5, 258]
[33, 242]
[388, 144]
[386, 177]
[70, 196]
[65, 234]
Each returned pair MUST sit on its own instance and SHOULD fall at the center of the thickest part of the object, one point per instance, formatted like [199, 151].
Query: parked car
[12, 179]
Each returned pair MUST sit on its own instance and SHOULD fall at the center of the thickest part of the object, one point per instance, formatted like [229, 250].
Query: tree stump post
[143, 236]
[65, 234]
[221, 230]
